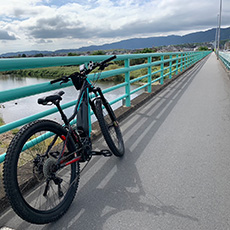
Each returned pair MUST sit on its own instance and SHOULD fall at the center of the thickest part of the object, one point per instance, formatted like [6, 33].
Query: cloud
[58, 27]
[44, 41]
[4, 35]
[109, 19]
[68, 22]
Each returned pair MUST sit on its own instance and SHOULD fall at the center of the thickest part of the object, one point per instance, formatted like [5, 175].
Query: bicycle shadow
[98, 204]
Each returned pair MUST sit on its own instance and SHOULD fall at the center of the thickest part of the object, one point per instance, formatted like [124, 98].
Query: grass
[59, 71]
[55, 72]
[49, 72]
[1, 170]
[5, 139]
[1, 121]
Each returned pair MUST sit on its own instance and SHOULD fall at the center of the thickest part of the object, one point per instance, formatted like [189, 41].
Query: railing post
[170, 67]
[186, 60]
[184, 65]
[149, 75]
[162, 70]
[190, 55]
[194, 58]
[177, 61]
[181, 62]
[127, 87]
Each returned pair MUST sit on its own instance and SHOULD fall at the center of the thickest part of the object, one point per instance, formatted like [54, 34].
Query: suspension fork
[97, 92]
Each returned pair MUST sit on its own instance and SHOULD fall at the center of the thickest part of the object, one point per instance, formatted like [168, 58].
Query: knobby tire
[25, 181]
[110, 127]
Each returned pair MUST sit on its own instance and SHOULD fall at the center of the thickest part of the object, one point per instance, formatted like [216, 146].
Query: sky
[63, 24]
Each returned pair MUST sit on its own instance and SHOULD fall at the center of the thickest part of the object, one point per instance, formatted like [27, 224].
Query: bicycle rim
[41, 194]
[110, 128]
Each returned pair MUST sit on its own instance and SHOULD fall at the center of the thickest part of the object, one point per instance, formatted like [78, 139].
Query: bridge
[175, 173]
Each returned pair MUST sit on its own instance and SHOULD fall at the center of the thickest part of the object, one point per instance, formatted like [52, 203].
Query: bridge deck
[175, 174]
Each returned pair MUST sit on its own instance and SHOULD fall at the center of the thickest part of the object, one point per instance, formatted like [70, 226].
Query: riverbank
[60, 71]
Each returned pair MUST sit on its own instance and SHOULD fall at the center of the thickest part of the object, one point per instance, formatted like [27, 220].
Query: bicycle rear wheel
[37, 191]
[110, 127]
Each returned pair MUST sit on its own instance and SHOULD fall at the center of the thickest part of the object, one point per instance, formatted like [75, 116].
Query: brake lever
[102, 67]
[64, 80]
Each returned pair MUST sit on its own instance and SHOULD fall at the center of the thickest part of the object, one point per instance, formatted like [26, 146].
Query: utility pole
[216, 33]
[218, 48]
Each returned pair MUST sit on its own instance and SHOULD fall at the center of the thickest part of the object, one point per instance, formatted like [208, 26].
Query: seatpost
[63, 116]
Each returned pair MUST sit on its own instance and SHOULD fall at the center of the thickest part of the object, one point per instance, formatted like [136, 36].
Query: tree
[146, 50]
[203, 48]
[98, 52]
[73, 54]
[39, 55]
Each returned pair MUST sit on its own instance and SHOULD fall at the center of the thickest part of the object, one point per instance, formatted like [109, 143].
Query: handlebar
[101, 65]
[108, 60]
[93, 66]
[62, 79]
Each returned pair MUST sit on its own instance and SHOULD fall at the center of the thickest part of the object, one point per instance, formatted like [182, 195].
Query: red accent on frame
[74, 160]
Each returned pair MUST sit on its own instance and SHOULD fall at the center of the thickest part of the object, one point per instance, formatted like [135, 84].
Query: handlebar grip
[56, 80]
[62, 79]
[108, 60]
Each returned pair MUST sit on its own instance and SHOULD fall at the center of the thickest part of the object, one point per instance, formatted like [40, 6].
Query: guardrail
[225, 58]
[168, 64]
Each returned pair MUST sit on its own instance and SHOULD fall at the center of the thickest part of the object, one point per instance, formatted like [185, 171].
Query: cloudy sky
[58, 24]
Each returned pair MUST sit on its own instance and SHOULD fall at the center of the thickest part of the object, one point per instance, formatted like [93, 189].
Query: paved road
[176, 171]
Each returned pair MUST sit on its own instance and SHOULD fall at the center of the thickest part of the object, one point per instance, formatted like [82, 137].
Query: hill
[138, 43]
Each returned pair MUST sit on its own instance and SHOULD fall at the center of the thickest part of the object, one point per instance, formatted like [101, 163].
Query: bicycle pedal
[106, 153]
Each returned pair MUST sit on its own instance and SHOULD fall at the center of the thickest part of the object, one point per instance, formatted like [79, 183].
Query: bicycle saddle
[51, 98]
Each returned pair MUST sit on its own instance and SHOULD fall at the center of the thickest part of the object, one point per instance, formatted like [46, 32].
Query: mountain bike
[42, 164]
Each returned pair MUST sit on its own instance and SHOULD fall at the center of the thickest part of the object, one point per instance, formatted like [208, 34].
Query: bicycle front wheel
[110, 127]
[38, 192]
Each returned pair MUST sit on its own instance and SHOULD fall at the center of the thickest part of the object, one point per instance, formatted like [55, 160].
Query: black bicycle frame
[82, 108]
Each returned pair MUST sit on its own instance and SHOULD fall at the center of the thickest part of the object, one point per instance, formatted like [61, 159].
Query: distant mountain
[27, 53]
[138, 43]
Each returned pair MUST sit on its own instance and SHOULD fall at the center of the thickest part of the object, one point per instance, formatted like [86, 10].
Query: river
[20, 108]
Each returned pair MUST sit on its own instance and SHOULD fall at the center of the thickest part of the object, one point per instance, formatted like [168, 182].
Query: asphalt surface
[176, 170]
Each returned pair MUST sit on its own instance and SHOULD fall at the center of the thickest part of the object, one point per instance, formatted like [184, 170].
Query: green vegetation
[73, 54]
[203, 48]
[39, 55]
[55, 72]
[99, 52]
[49, 72]
[1, 121]
[146, 50]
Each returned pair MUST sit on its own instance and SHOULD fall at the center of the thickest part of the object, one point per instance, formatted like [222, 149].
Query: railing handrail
[27, 63]
[225, 58]
[178, 61]
[7, 64]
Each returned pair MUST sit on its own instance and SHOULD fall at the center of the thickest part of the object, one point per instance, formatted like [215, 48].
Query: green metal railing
[167, 65]
[225, 58]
